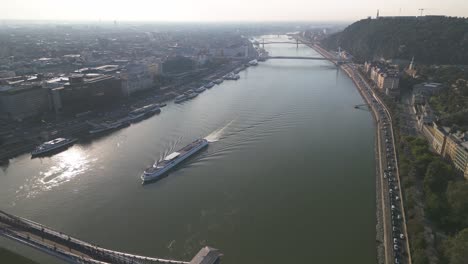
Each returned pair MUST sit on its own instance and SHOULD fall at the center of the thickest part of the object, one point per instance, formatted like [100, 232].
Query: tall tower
[411, 64]
[377, 14]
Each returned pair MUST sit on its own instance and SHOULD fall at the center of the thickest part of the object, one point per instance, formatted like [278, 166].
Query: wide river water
[289, 175]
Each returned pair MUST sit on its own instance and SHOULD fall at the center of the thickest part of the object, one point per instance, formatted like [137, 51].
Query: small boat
[218, 81]
[191, 94]
[106, 128]
[144, 112]
[135, 117]
[162, 104]
[209, 85]
[180, 98]
[200, 89]
[231, 76]
[253, 63]
[53, 146]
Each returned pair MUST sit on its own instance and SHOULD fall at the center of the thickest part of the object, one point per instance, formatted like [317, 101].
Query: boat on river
[160, 168]
[209, 85]
[179, 99]
[53, 146]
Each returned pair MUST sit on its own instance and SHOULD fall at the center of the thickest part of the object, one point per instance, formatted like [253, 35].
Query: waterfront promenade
[74, 250]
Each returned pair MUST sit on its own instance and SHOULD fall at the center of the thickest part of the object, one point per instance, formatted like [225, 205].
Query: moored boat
[218, 81]
[253, 63]
[106, 128]
[209, 85]
[191, 94]
[53, 146]
[200, 89]
[180, 98]
[144, 112]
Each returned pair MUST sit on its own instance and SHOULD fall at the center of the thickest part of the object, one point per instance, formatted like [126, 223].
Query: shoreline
[382, 207]
[81, 125]
[379, 194]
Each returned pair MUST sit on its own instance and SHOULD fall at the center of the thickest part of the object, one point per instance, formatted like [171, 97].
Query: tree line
[431, 40]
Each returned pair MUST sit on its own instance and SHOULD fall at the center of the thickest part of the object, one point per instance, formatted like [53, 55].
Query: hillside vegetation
[431, 40]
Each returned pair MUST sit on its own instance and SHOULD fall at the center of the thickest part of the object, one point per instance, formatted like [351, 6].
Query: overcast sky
[222, 10]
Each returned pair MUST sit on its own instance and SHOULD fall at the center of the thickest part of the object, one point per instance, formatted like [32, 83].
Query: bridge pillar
[297, 43]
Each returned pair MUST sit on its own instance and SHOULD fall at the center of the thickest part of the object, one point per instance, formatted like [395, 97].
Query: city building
[385, 77]
[458, 151]
[138, 77]
[451, 146]
[388, 81]
[20, 100]
[439, 138]
[86, 91]
[427, 89]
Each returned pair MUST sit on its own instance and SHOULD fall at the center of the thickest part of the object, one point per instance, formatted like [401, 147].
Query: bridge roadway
[281, 42]
[73, 250]
[306, 58]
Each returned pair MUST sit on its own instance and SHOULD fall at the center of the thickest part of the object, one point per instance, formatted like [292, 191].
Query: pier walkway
[74, 250]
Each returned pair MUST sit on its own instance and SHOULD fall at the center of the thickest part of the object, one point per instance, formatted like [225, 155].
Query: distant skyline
[224, 11]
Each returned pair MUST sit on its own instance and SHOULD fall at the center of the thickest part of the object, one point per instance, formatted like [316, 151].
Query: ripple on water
[66, 167]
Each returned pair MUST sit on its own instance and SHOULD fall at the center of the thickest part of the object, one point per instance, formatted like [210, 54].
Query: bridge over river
[338, 60]
[74, 250]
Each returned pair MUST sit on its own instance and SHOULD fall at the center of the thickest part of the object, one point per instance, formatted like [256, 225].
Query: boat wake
[218, 133]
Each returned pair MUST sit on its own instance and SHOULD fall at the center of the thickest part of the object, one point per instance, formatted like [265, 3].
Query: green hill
[431, 40]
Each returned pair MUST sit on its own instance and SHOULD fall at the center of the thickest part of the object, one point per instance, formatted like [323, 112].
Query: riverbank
[380, 237]
[383, 228]
[77, 127]
[214, 198]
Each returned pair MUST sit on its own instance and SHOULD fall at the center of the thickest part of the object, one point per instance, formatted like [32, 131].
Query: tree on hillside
[436, 208]
[431, 40]
[456, 248]
[457, 199]
[437, 176]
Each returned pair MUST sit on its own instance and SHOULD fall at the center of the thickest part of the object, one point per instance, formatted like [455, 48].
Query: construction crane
[422, 10]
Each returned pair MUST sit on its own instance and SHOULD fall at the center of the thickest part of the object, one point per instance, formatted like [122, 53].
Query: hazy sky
[223, 10]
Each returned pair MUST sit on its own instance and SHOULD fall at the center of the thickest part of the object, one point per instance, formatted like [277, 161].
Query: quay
[381, 114]
[74, 250]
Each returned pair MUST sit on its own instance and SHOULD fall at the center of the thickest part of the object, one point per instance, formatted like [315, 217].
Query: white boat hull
[158, 174]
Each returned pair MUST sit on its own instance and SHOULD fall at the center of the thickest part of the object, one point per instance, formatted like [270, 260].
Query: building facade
[85, 92]
[21, 101]
[138, 77]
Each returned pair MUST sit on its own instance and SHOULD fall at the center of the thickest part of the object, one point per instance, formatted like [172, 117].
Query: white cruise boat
[156, 171]
[53, 146]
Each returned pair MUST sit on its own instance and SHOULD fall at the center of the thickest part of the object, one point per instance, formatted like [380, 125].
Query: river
[289, 175]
